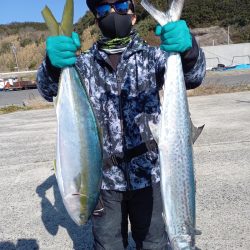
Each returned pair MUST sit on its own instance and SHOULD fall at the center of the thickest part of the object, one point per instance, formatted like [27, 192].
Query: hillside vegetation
[26, 40]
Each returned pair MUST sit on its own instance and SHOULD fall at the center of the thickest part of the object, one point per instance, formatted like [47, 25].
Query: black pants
[143, 208]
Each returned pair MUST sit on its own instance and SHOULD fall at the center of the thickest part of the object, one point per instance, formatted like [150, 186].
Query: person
[123, 76]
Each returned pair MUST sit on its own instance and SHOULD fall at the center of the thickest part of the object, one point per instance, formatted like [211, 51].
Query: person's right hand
[61, 50]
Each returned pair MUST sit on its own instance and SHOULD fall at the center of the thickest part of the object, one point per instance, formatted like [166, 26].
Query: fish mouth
[76, 194]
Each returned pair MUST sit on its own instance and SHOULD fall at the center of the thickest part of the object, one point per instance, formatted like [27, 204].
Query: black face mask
[115, 25]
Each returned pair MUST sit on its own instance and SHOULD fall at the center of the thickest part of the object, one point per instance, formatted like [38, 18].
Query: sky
[30, 10]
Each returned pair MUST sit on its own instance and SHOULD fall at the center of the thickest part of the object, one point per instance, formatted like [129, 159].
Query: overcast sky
[30, 10]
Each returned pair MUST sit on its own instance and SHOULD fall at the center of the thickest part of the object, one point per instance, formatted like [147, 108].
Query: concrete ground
[18, 97]
[32, 213]
[227, 78]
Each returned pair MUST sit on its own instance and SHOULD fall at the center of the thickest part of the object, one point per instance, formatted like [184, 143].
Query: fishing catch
[174, 133]
[79, 148]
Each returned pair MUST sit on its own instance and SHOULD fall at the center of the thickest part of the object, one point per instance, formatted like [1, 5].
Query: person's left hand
[175, 36]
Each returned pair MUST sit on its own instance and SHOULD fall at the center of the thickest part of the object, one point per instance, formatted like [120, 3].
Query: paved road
[227, 78]
[17, 97]
[32, 213]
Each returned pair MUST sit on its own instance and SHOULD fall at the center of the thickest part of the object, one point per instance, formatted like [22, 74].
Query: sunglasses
[120, 8]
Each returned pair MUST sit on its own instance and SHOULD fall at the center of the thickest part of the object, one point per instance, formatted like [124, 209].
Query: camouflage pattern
[124, 101]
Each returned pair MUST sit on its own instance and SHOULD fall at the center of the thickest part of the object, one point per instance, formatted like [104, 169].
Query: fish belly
[79, 153]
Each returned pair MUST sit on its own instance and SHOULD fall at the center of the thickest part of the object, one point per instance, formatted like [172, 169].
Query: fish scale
[174, 133]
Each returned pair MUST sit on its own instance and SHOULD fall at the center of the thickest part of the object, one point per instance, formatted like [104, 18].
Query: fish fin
[159, 16]
[54, 165]
[66, 26]
[55, 101]
[164, 218]
[50, 21]
[77, 181]
[197, 232]
[192, 230]
[196, 131]
[154, 130]
[67, 18]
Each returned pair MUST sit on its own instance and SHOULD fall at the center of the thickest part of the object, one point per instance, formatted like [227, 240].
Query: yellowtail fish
[79, 147]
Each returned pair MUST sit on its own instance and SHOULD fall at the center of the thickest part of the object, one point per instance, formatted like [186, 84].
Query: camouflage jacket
[125, 100]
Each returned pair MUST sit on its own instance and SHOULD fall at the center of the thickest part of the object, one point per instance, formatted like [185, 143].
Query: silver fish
[174, 133]
[79, 152]
[79, 147]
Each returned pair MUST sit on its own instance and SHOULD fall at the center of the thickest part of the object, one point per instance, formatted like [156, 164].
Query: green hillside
[27, 39]
[198, 14]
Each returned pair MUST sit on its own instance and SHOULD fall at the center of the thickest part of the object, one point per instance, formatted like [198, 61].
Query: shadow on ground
[22, 244]
[55, 216]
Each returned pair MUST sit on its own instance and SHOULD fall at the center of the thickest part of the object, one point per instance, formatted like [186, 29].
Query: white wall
[228, 55]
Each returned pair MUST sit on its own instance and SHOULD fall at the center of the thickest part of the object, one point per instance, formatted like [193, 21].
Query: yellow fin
[66, 26]
[67, 19]
[51, 22]
[54, 165]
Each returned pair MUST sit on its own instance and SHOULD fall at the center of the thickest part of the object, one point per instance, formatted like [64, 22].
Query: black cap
[93, 3]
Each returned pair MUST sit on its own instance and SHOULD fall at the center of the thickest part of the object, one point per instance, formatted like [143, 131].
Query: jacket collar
[136, 44]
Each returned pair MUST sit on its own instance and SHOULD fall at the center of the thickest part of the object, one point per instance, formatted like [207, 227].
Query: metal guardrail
[240, 57]
[212, 58]
[232, 62]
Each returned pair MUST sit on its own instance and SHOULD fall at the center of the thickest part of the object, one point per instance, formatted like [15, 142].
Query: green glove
[175, 37]
[61, 50]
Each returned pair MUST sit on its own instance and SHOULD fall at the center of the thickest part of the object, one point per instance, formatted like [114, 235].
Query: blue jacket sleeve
[194, 66]
[47, 80]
